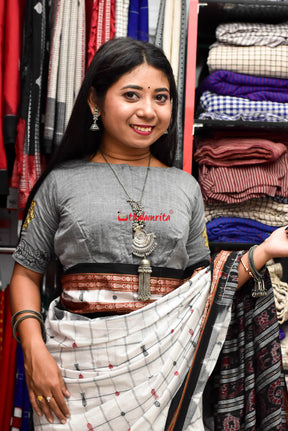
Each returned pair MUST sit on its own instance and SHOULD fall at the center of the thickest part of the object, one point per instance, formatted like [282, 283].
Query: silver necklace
[143, 244]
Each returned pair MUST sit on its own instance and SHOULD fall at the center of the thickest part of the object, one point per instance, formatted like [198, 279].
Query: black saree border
[180, 403]
[123, 268]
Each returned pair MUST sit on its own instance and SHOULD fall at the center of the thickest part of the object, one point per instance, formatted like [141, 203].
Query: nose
[146, 109]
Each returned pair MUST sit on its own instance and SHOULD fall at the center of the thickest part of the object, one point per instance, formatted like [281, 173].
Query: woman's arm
[276, 245]
[43, 376]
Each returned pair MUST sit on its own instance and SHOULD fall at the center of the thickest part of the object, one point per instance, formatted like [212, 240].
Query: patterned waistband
[112, 288]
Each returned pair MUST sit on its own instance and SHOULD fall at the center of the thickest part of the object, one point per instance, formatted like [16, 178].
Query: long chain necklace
[143, 244]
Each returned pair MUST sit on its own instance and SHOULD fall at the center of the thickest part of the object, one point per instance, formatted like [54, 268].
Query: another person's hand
[45, 384]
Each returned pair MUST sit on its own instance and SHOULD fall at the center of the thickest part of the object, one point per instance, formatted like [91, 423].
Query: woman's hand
[276, 245]
[45, 384]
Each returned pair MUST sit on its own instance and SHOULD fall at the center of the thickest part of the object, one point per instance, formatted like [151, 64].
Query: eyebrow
[137, 87]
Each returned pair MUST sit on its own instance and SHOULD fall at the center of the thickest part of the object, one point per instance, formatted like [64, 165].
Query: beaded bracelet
[35, 315]
[258, 275]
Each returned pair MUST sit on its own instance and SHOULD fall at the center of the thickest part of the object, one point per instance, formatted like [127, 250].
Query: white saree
[123, 371]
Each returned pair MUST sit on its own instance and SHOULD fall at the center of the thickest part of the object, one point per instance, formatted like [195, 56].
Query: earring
[166, 132]
[94, 126]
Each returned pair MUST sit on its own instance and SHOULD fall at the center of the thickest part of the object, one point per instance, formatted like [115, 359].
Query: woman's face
[136, 111]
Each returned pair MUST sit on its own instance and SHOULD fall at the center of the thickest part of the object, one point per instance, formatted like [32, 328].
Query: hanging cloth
[27, 167]
[7, 366]
[138, 22]
[3, 159]
[102, 26]
[121, 18]
[14, 17]
[66, 68]
[171, 37]
[160, 25]
[22, 412]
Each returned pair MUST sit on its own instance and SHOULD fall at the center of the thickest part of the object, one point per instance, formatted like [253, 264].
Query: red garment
[102, 27]
[237, 151]
[7, 367]
[11, 23]
[3, 160]
[239, 183]
[14, 15]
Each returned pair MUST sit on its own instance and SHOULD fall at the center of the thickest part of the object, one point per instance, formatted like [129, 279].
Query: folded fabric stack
[248, 67]
[244, 182]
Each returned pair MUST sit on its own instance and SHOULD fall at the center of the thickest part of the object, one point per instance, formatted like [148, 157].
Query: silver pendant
[144, 271]
[143, 243]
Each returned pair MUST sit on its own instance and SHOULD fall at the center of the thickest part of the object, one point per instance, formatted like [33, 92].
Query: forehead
[145, 76]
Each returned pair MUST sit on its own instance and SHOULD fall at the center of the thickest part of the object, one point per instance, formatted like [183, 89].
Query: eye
[162, 98]
[130, 95]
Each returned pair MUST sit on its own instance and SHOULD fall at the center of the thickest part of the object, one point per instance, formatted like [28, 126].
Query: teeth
[143, 129]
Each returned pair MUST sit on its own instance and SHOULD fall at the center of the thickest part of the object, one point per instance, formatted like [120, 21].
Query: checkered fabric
[124, 373]
[252, 60]
[248, 34]
[218, 107]
[121, 17]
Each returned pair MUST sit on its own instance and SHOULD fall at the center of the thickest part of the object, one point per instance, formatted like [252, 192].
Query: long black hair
[112, 60]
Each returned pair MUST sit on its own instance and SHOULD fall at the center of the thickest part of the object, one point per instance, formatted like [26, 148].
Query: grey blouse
[81, 214]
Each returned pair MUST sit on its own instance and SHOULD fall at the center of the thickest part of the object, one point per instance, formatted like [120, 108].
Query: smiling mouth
[145, 129]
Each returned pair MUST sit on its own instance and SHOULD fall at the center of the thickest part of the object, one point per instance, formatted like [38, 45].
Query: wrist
[262, 255]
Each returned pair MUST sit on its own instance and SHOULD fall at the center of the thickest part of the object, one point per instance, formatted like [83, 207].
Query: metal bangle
[257, 274]
[246, 268]
[29, 316]
[22, 312]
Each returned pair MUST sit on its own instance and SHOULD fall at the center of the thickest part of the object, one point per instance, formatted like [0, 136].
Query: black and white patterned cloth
[219, 107]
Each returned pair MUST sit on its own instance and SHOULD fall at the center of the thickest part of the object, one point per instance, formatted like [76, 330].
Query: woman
[129, 231]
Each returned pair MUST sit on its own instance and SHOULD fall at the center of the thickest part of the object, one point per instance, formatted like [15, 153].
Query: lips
[142, 129]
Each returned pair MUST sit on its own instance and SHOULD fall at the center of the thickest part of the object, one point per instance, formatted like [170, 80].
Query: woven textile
[280, 289]
[251, 60]
[237, 184]
[121, 17]
[102, 26]
[125, 373]
[264, 210]
[247, 33]
[22, 412]
[138, 21]
[237, 151]
[137, 361]
[66, 68]
[27, 167]
[171, 33]
[160, 25]
[171, 37]
[249, 387]
[237, 229]
[248, 86]
[219, 107]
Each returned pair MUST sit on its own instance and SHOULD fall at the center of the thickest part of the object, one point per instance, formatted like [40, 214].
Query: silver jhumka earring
[94, 126]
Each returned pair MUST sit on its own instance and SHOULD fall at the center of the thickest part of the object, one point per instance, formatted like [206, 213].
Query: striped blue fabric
[138, 22]
[237, 229]
[250, 87]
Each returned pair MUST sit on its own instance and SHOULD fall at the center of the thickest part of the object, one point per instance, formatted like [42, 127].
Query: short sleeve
[36, 246]
[197, 244]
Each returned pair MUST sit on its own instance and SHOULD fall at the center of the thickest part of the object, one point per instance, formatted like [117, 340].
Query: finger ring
[39, 398]
[48, 399]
